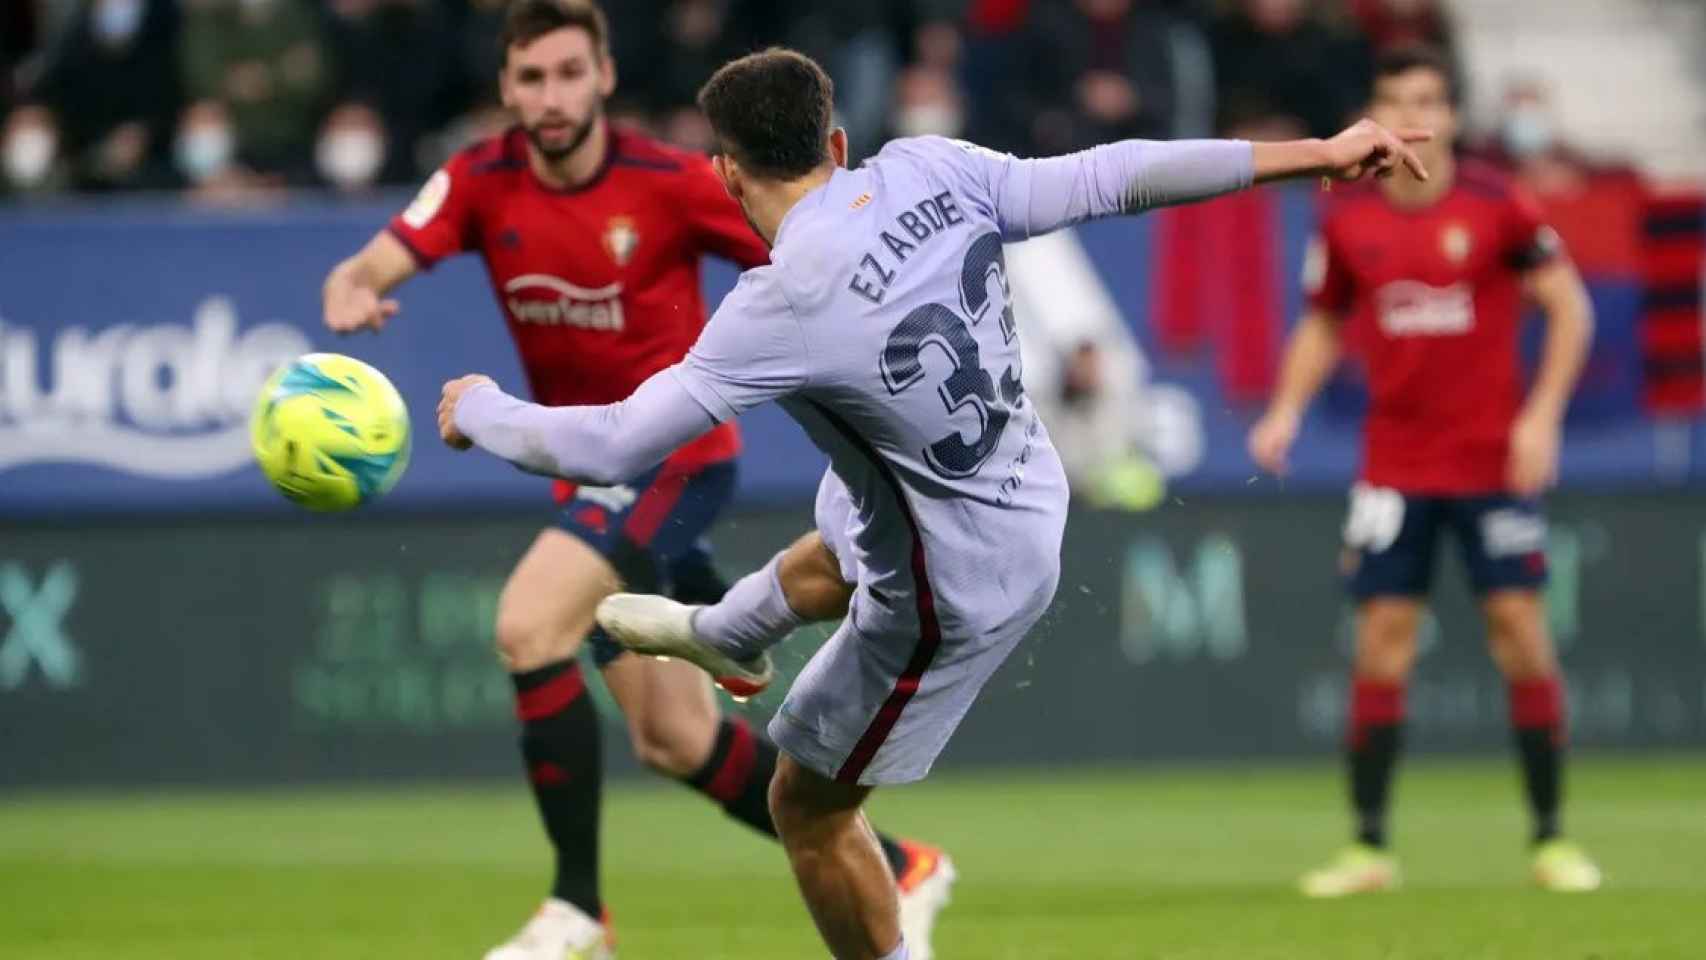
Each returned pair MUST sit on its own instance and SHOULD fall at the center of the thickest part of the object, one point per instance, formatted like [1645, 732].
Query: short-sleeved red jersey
[1432, 300]
[600, 283]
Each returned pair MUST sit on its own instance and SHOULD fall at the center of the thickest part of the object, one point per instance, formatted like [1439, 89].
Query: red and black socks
[737, 776]
[1376, 732]
[1537, 717]
[561, 746]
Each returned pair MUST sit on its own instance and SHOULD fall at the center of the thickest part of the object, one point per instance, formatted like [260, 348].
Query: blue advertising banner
[133, 344]
[133, 340]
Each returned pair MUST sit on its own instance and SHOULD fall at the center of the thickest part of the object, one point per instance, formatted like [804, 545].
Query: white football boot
[559, 931]
[925, 887]
[660, 627]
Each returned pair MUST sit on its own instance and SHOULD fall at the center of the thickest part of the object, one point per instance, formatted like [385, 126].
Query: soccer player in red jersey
[592, 237]
[1424, 282]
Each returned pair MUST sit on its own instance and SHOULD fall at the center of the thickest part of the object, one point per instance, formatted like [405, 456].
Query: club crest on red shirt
[1456, 242]
[620, 239]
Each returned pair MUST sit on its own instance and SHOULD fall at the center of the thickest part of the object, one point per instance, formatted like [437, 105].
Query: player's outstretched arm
[1310, 356]
[1365, 148]
[1037, 196]
[601, 445]
[1032, 197]
[353, 297]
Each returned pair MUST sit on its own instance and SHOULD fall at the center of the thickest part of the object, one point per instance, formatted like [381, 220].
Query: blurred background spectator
[1102, 70]
[111, 88]
[1527, 140]
[268, 62]
[1120, 433]
[1405, 23]
[1286, 68]
[307, 90]
[17, 39]
[400, 70]
[30, 147]
[351, 154]
[206, 155]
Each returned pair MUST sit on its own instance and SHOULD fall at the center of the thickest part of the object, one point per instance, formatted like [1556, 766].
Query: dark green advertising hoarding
[262, 651]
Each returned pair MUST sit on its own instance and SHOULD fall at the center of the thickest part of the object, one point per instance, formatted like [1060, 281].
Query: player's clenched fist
[350, 308]
[453, 392]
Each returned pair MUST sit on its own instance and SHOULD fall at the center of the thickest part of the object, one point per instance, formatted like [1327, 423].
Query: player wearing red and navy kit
[599, 285]
[1425, 284]
[592, 239]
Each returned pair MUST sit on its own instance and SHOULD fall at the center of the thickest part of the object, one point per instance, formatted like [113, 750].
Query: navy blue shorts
[1391, 540]
[652, 530]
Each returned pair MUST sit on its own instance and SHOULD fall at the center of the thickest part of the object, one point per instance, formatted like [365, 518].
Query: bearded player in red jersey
[1425, 282]
[592, 238]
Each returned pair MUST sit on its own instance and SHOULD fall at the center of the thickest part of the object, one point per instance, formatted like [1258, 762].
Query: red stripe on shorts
[929, 628]
[655, 506]
[930, 638]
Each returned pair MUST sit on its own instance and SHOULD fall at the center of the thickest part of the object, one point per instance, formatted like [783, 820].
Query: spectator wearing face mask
[1529, 143]
[267, 62]
[112, 91]
[1594, 202]
[1107, 70]
[927, 102]
[204, 154]
[29, 154]
[350, 154]
[399, 56]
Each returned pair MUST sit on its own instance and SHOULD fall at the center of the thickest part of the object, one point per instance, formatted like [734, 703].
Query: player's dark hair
[772, 112]
[1401, 60]
[527, 20]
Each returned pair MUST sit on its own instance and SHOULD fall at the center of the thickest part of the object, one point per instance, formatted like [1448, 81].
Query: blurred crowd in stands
[227, 98]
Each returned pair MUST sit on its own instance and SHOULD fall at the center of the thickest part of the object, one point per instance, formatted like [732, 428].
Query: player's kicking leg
[811, 581]
[1503, 543]
[756, 612]
[846, 881]
[873, 708]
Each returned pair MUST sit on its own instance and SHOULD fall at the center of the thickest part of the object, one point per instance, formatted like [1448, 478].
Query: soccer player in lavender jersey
[882, 326]
[1425, 281]
[592, 238]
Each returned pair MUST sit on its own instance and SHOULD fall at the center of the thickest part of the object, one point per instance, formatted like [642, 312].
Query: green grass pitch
[1135, 863]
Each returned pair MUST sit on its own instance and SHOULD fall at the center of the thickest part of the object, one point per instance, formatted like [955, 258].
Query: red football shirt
[1432, 301]
[600, 283]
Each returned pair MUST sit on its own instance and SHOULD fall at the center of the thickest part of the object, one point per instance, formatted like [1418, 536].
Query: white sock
[899, 953]
[751, 618]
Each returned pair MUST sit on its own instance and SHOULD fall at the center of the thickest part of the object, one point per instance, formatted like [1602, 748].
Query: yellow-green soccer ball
[330, 432]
